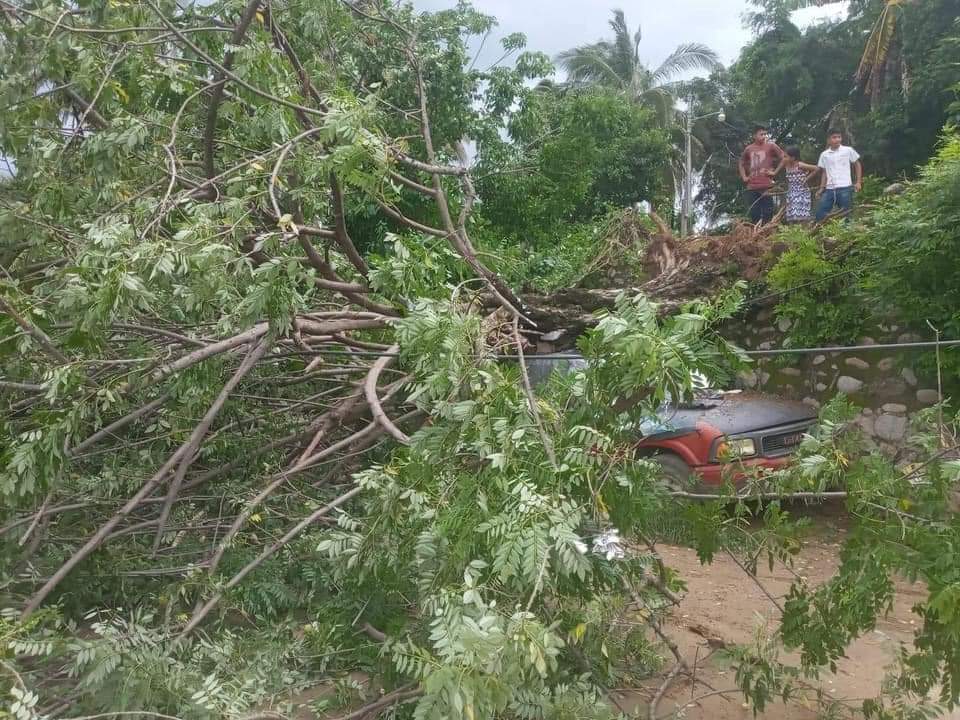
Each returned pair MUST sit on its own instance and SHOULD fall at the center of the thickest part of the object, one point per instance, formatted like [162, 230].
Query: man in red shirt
[761, 160]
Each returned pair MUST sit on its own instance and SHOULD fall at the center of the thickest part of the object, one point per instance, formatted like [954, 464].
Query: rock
[555, 335]
[867, 424]
[895, 189]
[819, 359]
[887, 364]
[909, 377]
[784, 324]
[928, 397]
[849, 385]
[889, 389]
[820, 387]
[812, 402]
[764, 378]
[764, 315]
[891, 428]
[767, 345]
[908, 338]
[748, 378]
[867, 340]
[894, 408]
[857, 363]
[868, 412]
[791, 372]
[767, 331]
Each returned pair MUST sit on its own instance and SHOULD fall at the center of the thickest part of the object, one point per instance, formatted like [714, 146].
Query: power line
[919, 345]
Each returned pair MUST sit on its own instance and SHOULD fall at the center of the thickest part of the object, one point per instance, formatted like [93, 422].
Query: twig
[203, 611]
[404, 694]
[940, 426]
[118, 425]
[756, 581]
[531, 398]
[36, 333]
[36, 518]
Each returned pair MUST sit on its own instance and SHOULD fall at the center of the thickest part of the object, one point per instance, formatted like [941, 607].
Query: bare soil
[724, 606]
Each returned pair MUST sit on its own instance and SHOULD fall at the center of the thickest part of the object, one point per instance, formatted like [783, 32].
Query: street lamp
[686, 204]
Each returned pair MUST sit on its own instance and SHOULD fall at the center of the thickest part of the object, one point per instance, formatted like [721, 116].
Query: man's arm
[858, 169]
[742, 165]
[823, 176]
[783, 161]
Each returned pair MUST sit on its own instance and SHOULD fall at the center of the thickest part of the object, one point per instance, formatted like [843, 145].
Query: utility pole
[686, 202]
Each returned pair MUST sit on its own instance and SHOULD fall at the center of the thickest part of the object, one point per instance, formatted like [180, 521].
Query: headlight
[736, 448]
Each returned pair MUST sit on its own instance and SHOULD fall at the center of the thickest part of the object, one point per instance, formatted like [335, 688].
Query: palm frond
[623, 55]
[689, 56]
[590, 64]
[791, 5]
[878, 47]
[663, 105]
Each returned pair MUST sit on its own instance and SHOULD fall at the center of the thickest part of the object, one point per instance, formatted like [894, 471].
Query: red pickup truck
[718, 434]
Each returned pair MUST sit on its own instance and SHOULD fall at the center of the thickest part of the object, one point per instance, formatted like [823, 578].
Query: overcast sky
[555, 25]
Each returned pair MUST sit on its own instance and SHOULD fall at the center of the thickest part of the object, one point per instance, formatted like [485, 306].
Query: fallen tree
[641, 255]
[253, 442]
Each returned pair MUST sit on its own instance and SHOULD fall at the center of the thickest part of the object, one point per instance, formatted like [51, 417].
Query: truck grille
[783, 443]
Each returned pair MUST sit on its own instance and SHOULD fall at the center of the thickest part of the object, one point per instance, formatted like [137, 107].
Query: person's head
[834, 138]
[760, 134]
[793, 152]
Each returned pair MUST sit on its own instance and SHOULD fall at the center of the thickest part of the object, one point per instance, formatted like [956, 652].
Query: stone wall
[884, 382]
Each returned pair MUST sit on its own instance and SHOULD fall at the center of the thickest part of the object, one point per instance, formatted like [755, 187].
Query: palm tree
[876, 57]
[616, 64]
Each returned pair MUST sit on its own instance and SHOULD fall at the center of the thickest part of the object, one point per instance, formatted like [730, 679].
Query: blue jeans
[838, 198]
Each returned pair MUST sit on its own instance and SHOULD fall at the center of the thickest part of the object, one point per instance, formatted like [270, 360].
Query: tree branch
[370, 391]
[106, 528]
[190, 454]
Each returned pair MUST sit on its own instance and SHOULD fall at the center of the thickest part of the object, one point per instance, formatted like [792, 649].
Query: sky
[555, 25]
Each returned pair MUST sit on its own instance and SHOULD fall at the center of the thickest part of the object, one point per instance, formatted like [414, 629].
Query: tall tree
[616, 63]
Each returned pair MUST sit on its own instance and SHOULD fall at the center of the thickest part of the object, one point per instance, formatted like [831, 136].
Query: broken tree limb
[370, 391]
[106, 528]
[190, 454]
[205, 609]
[219, 83]
[120, 424]
[531, 398]
[341, 235]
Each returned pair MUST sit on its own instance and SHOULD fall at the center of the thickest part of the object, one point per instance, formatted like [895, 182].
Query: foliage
[571, 154]
[616, 64]
[214, 498]
[804, 274]
[896, 260]
[803, 82]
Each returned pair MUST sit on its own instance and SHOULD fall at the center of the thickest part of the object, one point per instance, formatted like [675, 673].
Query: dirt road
[724, 606]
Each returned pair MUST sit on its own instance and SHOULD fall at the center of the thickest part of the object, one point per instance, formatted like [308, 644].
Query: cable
[919, 345]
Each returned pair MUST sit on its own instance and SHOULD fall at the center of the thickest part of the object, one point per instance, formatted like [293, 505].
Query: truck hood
[733, 413]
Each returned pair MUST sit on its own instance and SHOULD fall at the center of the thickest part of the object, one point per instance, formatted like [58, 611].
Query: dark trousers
[760, 206]
[840, 199]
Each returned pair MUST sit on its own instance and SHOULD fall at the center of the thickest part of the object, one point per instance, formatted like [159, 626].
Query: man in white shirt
[836, 183]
